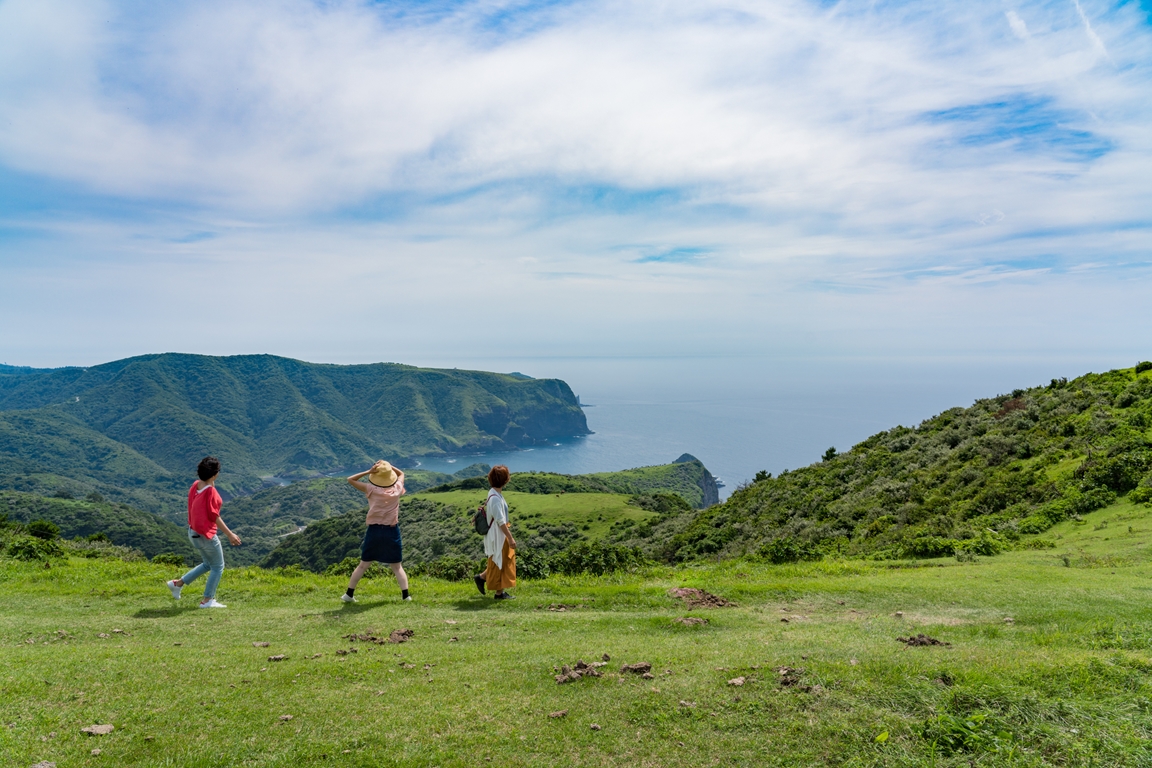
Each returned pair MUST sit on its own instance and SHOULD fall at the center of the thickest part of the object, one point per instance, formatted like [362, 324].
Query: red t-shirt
[203, 509]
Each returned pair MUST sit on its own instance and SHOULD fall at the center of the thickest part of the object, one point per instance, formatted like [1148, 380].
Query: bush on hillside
[596, 558]
[348, 564]
[169, 558]
[531, 564]
[449, 568]
[988, 543]
[33, 548]
[789, 550]
[1144, 366]
[931, 546]
[43, 529]
[1141, 495]
[94, 537]
[660, 503]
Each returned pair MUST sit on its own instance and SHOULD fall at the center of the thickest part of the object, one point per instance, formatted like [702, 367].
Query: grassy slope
[1013, 464]
[1071, 678]
[686, 478]
[592, 513]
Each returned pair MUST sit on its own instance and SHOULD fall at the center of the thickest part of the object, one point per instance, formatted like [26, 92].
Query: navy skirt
[382, 544]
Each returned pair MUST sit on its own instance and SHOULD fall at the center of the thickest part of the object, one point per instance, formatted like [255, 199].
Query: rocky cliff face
[706, 482]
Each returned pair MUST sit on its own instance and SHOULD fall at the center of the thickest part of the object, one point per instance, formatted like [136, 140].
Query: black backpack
[480, 520]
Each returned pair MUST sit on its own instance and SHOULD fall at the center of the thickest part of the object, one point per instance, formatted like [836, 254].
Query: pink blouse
[384, 504]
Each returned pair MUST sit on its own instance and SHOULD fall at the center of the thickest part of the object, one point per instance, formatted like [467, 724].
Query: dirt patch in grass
[690, 621]
[396, 636]
[922, 640]
[579, 671]
[698, 598]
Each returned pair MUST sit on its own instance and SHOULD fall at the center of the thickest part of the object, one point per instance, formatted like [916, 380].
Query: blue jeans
[213, 556]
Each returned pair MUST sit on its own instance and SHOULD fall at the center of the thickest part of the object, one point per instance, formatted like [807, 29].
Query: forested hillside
[135, 428]
[970, 480]
[122, 524]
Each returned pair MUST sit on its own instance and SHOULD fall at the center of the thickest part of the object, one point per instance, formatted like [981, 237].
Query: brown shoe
[480, 582]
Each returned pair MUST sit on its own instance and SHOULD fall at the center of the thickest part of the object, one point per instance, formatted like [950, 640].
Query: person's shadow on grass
[475, 604]
[348, 609]
[162, 613]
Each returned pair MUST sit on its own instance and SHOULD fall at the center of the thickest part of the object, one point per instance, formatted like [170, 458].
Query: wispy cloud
[811, 145]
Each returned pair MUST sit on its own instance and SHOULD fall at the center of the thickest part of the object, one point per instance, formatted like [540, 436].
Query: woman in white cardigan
[499, 545]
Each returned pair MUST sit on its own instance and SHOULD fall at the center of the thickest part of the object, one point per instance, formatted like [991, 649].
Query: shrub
[1141, 495]
[931, 546]
[450, 568]
[95, 537]
[32, 548]
[1039, 544]
[1144, 366]
[348, 564]
[94, 497]
[43, 529]
[660, 503]
[988, 543]
[788, 550]
[597, 558]
[531, 564]
[166, 558]
[1034, 524]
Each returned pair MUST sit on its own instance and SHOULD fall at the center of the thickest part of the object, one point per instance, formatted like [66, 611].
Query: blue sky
[349, 181]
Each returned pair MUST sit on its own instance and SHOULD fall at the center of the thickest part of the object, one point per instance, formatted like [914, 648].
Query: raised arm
[363, 487]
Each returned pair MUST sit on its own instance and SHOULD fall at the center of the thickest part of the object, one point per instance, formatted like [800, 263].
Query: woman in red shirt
[204, 504]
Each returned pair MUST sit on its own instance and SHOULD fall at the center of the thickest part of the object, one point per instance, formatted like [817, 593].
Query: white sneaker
[212, 604]
[347, 598]
[175, 590]
[407, 599]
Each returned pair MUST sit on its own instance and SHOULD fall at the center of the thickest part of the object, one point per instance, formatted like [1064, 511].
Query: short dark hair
[498, 476]
[208, 468]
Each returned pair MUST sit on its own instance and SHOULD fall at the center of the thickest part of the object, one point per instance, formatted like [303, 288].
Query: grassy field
[1068, 681]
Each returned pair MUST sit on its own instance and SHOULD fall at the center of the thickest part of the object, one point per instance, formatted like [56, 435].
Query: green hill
[122, 524]
[155, 416]
[687, 477]
[970, 480]
[45, 451]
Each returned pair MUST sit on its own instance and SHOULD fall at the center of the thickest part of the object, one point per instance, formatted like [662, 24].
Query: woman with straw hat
[381, 543]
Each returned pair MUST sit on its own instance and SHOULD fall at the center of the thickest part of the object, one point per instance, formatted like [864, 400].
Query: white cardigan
[497, 512]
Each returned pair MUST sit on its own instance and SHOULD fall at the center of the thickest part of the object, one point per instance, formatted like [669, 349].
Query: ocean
[743, 415]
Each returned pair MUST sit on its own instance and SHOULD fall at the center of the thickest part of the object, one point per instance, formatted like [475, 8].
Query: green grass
[1070, 679]
[596, 510]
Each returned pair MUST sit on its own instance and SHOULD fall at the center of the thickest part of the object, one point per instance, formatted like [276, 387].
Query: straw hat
[383, 476]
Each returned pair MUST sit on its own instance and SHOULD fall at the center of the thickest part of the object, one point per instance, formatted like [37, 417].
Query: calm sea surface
[742, 415]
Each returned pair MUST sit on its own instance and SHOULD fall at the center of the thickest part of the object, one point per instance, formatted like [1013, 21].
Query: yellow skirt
[497, 579]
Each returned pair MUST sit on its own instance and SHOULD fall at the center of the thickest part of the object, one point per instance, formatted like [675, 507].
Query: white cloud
[800, 147]
[1019, 28]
